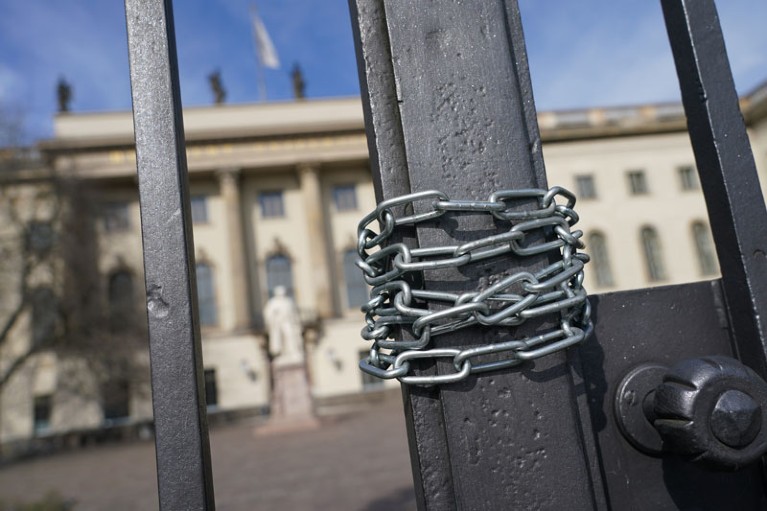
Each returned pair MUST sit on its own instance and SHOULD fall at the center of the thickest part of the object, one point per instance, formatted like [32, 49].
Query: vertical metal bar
[727, 170]
[423, 409]
[183, 454]
[450, 107]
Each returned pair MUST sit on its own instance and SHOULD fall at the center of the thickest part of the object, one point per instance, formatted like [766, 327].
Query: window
[116, 216]
[122, 300]
[206, 295]
[356, 288]
[115, 395]
[272, 205]
[688, 178]
[369, 382]
[585, 187]
[44, 315]
[704, 247]
[39, 237]
[199, 205]
[211, 388]
[600, 260]
[279, 272]
[637, 182]
[42, 413]
[653, 254]
[345, 197]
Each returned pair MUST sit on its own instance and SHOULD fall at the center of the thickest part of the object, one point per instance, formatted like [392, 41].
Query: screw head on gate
[736, 419]
[711, 410]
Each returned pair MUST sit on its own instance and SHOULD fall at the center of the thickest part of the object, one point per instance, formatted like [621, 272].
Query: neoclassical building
[277, 190]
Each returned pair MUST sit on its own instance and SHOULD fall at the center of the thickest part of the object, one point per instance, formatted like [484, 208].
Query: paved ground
[353, 462]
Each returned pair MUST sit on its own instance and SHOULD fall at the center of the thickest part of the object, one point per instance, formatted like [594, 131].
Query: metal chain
[396, 303]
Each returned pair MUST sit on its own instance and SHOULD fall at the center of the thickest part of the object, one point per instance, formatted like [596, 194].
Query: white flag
[266, 52]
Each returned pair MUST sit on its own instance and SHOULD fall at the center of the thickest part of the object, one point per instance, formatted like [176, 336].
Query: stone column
[229, 183]
[315, 223]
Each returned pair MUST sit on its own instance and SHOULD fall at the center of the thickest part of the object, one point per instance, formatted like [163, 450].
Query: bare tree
[50, 283]
[22, 243]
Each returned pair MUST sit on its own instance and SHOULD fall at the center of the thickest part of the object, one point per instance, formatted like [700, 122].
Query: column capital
[308, 167]
[229, 174]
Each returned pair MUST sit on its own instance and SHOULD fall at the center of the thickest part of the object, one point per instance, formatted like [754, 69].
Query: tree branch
[17, 364]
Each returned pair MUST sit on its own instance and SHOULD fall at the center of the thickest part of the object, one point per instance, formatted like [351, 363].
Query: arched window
[600, 259]
[704, 247]
[356, 288]
[653, 254]
[122, 300]
[279, 272]
[44, 315]
[206, 295]
[115, 399]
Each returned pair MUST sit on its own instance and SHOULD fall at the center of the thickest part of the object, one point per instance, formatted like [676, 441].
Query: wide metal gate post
[183, 454]
[448, 106]
[648, 399]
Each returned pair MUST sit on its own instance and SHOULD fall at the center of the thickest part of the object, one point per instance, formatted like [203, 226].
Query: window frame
[637, 182]
[207, 303]
[44, 316]
[202, 216]
[345, 197]
[585, 186]
[122, 310]
[42, 402]
[272, 204]
[271, 284]
[120, 404]
[652, 249]
[354, 282]
[116, 216]
[705, 250]
[210, 380]
[688, 178]
[600, 258]
[39, 237]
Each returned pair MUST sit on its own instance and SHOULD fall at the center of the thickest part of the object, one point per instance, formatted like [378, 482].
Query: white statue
[291, 402]
[284, 325]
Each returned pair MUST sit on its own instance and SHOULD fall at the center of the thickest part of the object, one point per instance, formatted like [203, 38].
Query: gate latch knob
[710, 410]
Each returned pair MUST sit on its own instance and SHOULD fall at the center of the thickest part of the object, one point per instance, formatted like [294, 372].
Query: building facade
[276, 193]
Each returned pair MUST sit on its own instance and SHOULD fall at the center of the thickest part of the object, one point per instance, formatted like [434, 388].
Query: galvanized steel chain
[397, 302]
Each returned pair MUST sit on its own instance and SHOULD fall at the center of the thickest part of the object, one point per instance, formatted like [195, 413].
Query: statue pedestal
[291, 407]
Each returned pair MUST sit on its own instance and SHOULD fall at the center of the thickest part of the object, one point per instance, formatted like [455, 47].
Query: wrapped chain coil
[397, 301]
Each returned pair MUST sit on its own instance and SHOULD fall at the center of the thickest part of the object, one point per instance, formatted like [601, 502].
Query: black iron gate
[634, 418]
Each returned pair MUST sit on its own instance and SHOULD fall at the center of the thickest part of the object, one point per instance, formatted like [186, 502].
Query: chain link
[396, 303]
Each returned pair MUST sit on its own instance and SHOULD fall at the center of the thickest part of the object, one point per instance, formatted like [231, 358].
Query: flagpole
[261, 81]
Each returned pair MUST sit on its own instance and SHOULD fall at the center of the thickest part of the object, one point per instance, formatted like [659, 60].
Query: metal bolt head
[736, 419]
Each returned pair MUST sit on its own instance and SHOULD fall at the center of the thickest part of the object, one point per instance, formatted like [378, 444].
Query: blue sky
[582, 53]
